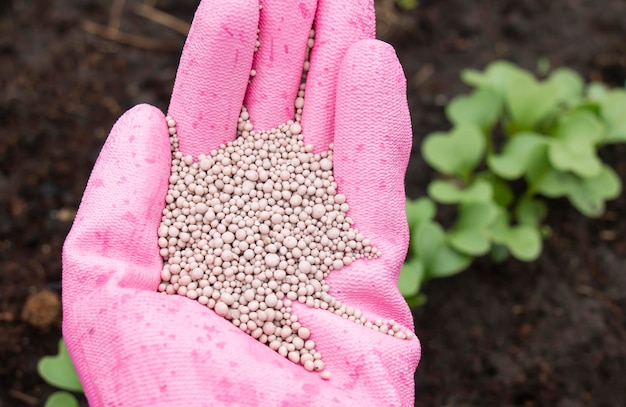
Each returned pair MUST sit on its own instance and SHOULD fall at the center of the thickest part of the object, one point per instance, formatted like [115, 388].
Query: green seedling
[58, 371]
[61, 399]
[407, 4]
[542, 136]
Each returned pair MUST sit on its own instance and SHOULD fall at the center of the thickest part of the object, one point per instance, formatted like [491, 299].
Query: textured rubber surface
[133, 346]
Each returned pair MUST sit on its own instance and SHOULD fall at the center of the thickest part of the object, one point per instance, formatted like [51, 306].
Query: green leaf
[597, 91]
[531, 212]
[448, 262]
[546, 180]
[59, 371]
[473, 214]
[502, 194]
[545, 231]
[482, 109]
[419, 210]
[499, 227]
[499, 253]
[516, 155]
[555, 184]
[61, 399]
[456, 152]
[590, 194]
[411, 277]
[568, 84]
[470, 241]
[543, 66]
[613, 112]
[416, 301]
[471, 233]
[474, 78]
[496, 77]
[524, 242]
[438, 258]
[573, 146]
[529, 101]
[427, 241]
[407, 4]
[448, 192]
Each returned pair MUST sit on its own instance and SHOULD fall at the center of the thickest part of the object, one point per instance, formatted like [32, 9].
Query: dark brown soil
[549, 333]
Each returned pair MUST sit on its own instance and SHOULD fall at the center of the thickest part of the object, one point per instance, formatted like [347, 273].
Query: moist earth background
[547, 333]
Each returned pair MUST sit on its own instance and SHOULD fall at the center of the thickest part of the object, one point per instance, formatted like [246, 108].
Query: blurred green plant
[58, 371]
[514, 140]
[407, 4]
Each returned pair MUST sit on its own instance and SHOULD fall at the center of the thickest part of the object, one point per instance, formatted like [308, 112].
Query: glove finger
[284, 30]
[116, 224]
[338, 24]
[371, 150]
[213, 74]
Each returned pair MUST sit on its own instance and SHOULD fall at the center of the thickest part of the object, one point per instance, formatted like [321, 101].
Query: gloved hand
[133, 346]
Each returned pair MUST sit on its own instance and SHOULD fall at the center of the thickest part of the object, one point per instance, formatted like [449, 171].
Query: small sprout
[553, 129]
[58, 371]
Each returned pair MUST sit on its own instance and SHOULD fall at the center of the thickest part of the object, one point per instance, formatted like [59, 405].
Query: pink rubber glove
[133, 346]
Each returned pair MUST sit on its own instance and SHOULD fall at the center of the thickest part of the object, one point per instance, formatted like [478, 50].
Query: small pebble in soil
[42, 309]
